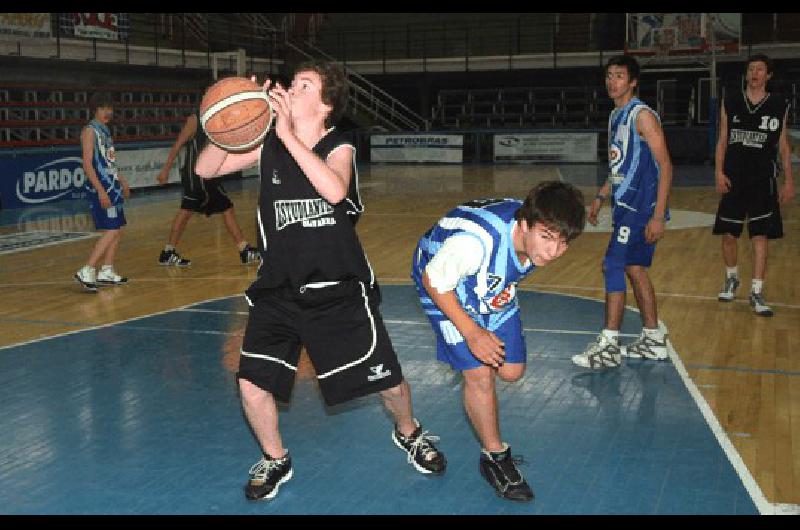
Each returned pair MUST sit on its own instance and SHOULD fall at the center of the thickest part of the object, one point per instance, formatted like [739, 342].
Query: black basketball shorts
[752, 199]
[342, 330]
[206, 196]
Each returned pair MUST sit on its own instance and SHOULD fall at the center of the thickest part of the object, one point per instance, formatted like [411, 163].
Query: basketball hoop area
[228, 63]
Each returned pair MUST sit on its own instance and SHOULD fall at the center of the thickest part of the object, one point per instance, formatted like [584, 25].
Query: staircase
[369, 104]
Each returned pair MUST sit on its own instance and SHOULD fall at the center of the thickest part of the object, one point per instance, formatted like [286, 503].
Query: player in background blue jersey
[466, 268]
[640, 176]
[106, 190]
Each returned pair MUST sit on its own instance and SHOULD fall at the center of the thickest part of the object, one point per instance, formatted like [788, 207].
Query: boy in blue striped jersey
[466, 268]
[106, 190]
[640, 176]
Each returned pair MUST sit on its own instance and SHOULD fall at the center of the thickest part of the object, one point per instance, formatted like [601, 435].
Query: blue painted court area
[143, 417]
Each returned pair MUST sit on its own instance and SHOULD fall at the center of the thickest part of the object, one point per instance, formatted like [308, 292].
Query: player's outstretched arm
[786, 193]
[722, 182]
[653, 134]
[188, 131]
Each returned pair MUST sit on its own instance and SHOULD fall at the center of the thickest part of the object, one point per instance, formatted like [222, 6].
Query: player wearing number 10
[640, 176]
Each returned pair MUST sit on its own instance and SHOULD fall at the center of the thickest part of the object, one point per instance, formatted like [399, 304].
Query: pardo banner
[546, 147]
[445, 148]
[25, 25]
[35, 179]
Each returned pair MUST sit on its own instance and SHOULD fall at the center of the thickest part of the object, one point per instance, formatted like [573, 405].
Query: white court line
[215, 311]
[101, 326]
[756, 494]
[86, 235]
[135, 280]
[548, 288]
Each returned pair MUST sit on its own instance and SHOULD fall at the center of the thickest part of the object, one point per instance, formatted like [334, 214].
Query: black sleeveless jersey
[193, 148]
[305, 238]
[754, 131]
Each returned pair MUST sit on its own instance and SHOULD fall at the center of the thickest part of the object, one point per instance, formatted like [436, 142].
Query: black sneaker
[500, 470]
[171, 257]
[266, 476]
[419, 446]
[249, 255]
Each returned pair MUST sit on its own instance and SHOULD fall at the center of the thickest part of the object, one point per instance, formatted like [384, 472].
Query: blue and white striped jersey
[104, 163]
[488, 295]
[633, 170]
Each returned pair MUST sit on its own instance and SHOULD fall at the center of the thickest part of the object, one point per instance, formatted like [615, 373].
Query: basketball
[235, 113]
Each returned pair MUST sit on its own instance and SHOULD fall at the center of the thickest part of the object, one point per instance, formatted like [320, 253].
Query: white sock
[732, 272]
[168, 248]
[242, 245]
[757, 286]
[612, 335]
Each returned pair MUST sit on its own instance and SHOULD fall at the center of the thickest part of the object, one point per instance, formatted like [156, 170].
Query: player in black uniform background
[199, 196]
[753, 132]
[315, 286]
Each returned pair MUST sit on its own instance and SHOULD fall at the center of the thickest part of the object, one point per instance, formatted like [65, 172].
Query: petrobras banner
[35, 25]
[96, 25]
[35, 179]
[546, 147]
[444, 148]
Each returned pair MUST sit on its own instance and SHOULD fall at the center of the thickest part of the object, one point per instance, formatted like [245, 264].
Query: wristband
[601, 197]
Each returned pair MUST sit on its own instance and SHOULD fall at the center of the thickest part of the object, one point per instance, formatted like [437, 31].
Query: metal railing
[368, 97]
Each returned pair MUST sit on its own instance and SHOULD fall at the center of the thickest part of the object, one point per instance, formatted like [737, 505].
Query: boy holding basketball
[106, 190]
[466, 268]
[199, 196]
[315, 286]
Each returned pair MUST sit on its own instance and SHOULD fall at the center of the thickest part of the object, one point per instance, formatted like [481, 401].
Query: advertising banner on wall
[96, 25]
[35, 179]
[546, 147]
[444, 148]
[35, 25]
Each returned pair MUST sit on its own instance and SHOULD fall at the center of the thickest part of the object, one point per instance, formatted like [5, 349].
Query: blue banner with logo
[34, 179]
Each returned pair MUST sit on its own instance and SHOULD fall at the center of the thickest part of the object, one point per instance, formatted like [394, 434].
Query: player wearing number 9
[640, 176]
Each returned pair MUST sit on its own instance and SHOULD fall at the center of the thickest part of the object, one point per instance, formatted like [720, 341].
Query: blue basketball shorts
[107, 218]
[451, 348]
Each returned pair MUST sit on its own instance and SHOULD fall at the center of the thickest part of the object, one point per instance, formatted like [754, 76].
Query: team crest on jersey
[493, 281]
[614, 153]
[500, 301]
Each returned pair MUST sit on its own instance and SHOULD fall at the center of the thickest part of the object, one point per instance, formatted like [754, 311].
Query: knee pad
[614, 272]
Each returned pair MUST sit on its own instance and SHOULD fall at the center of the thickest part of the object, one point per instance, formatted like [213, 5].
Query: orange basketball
[235, 113]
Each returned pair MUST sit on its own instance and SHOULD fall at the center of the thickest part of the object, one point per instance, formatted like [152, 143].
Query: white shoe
[107, 276]
[646, 347]
[759, 305]
[87, 277]
[728, 292]
[602, 353]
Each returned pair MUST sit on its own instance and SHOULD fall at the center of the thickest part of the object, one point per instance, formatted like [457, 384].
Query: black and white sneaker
[646, 347]
[601, 354]
[728, 292]
[759, 305]
[171, 257]
[87, 276]
[266, 477]
[108, 276]
[500, 470]
[249, 255]
[422, 454]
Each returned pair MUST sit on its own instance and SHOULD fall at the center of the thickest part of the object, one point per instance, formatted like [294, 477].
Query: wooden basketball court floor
[741, 371]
